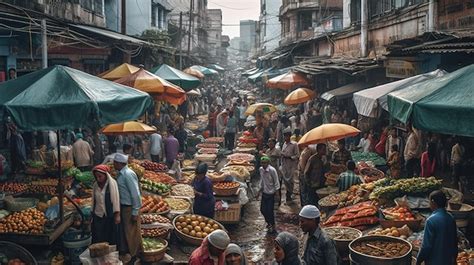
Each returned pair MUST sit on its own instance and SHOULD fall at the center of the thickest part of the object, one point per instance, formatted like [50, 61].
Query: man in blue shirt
[130, 238]
[440, 239]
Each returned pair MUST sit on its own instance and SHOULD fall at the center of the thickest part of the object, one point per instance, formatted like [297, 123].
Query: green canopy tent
[177, 77]
[204, 70]
[264, 75]
[442, 105]
[60, 97]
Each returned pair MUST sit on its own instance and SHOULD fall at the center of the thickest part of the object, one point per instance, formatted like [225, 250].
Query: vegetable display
[13, 187]
[155, 187]
[195, 225]
[398, 213]
[153, 166]
[154, 232]
[152, 245]
[139, 170]
[159, 177]
[342, 233]
[154, 218]
[153, 204]
[363, 156]
[177, 204]
[226, 185]
[353, 216]
[391, 188]
[403, 232]
[382, 248]
[182, 190]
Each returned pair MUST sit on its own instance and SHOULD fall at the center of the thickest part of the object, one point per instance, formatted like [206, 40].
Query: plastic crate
[230, 216]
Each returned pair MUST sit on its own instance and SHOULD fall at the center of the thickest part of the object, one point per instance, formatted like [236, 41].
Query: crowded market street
[185, 132]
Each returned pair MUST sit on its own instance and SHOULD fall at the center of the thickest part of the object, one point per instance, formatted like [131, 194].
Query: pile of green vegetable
[393, 188]
[362, 156]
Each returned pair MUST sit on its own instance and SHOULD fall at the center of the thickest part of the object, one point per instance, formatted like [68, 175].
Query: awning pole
[61, 185]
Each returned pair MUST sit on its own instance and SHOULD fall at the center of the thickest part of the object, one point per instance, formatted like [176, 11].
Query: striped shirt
[347, 179]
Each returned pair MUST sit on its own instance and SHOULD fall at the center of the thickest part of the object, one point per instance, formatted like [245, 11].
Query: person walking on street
[307, 152]
[269, 185]
[319, 248]
[286, 249]
[171, 145]
[230, 131]
[105, 206]
[314, 171]
[440, 239]
[211, 251]
[156, 147]
[82, 153]
[412, 153]
[130, 237]
[289, 163]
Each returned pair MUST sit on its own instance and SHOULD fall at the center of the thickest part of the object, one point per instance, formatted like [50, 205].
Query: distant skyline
[233, 11]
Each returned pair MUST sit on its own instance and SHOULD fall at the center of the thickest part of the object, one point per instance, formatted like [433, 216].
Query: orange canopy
[328, 132]
[154, 85]
[194, 72]
[288, 81]
[300, 95]
[119, 72]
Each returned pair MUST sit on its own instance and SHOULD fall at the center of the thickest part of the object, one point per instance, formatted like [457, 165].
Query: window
[355, 11]
[154, 15]
[305, 20]
[95, 6]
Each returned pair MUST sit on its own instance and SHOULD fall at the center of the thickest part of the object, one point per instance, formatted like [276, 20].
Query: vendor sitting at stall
[105, 206]
[342, 155]
[211, 251]
[204, 201]
[348, 178]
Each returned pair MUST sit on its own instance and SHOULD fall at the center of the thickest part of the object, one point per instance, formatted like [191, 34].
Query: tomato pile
[227, 185]
[29, 221]
[153, 166]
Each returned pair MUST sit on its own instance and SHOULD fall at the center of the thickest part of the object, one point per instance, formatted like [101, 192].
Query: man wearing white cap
[130, 238]
[319, 249]
[211, 251]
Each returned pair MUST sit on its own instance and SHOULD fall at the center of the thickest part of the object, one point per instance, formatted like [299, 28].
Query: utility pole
[44, 44]
[180, 41]
[191, 5]
[126, 56]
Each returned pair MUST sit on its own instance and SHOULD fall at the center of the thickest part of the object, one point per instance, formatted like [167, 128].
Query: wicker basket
[225, 192]
[154, 256]
[229, 216]
[196, 241]
[20, 204]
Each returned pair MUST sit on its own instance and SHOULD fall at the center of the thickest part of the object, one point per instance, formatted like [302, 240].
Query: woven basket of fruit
[154, 249]
[193, 228]
[226, 188]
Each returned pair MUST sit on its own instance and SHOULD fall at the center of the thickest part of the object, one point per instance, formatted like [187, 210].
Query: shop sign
[401, 68]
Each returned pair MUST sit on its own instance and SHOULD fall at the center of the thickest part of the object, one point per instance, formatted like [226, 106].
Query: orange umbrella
[194, 72]
[288, 81]
[300, 95]
[154, 85]
[119, 72]
[328, 132]
[127, 127]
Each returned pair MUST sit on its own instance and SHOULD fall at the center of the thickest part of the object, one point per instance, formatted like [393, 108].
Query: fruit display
[332, 200]
[208, 151]
[155, 232]
[153, 166]
[205, 157]
[331, 179]
[391, 188]
[207, 145]
[153, 245]
[342, 233]
[398, 213]
[402, 232]
[159, 177]
[241, 157]
[154, 218]
[13, 187]
[237, 171]
[360, 214]
[187, 177]
[355, 194]
[188, 163]
[178, 204]
[182, 190]
[248, 139]
[214, 140]
[153, 204]
[370, 174]
[236, 162]
[465, 257]
[139, 170]
[246, 145]
[382, 248]
[42, 189]
[246, 150]
[226, 185]
[29, 221]
[217, 176]
[195, 226]
[155, 187]
[45, 182]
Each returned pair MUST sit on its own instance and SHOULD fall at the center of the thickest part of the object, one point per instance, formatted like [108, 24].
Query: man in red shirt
[212, 249]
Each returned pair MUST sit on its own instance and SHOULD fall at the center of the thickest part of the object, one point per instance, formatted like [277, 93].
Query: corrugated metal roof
[351, 66]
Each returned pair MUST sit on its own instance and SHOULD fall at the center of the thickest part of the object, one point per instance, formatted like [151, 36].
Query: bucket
[75, 242]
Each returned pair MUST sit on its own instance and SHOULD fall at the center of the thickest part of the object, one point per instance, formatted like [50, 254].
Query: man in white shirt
[269, 185]
[156, 147]
[364, 143]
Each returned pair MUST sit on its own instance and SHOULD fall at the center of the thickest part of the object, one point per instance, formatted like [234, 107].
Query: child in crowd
[394, 162]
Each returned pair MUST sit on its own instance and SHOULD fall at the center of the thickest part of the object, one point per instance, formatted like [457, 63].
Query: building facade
[146, 15]
[248, 38]
[270, 27]
[214, 35]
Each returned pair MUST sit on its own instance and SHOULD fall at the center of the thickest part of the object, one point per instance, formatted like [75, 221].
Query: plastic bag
[110, 259]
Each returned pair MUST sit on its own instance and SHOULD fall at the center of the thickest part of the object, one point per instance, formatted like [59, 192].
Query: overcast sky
[233, 11]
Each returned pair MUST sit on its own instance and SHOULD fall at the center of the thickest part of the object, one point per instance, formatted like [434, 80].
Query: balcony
[291, 37]
[291, 5]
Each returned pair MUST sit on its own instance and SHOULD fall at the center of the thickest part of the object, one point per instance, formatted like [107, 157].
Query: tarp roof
[368, 100]
[344, 91]
[441, 105]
